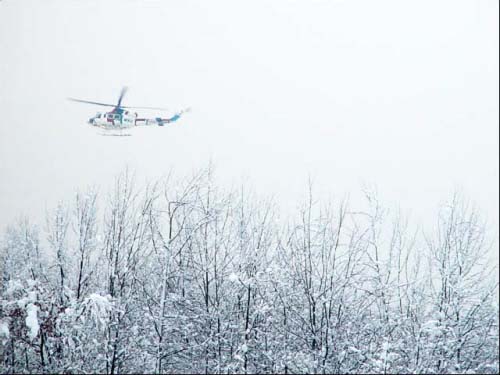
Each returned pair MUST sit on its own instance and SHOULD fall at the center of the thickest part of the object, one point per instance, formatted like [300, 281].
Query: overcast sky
[399, 94]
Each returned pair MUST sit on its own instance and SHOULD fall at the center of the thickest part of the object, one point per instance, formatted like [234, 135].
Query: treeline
[180, 276]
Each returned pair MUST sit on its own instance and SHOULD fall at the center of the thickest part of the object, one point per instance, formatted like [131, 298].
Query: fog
[402, 96]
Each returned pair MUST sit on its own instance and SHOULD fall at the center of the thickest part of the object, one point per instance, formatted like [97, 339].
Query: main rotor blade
[157, 108]
[89, 102]
[122, 93]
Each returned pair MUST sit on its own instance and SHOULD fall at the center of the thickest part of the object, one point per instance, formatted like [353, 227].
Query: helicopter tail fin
[162, 121]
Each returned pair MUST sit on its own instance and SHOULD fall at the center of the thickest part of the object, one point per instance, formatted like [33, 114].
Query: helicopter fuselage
[114, 120]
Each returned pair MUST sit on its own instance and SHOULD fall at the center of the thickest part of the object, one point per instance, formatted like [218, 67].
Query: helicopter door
[115, 118]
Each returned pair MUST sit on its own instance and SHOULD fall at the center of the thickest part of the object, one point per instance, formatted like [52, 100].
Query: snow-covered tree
[183, 276]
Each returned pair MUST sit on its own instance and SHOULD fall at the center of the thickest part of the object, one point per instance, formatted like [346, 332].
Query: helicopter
[122, 117]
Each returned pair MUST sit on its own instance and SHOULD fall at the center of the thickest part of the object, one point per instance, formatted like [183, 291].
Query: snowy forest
[183, 276]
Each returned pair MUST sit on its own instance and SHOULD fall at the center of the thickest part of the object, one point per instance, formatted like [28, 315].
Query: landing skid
[119, 132]
[115, 135]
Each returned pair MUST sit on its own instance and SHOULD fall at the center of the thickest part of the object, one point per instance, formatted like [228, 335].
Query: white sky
[399, 94]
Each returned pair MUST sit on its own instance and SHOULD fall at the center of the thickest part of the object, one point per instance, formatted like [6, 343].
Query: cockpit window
[98, 115]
